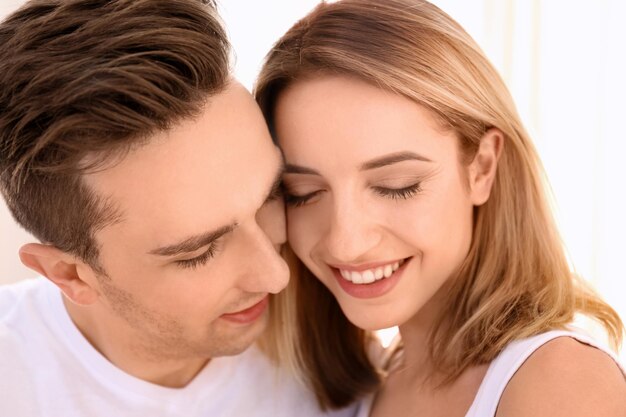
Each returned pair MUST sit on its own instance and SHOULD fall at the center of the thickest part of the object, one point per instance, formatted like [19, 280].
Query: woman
[415, 198]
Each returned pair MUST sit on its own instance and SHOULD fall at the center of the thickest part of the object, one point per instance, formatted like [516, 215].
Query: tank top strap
[507, 363]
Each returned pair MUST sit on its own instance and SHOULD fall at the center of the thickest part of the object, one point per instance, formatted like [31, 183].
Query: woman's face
[379, 205]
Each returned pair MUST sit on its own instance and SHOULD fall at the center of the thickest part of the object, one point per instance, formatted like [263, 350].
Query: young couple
[413, 197]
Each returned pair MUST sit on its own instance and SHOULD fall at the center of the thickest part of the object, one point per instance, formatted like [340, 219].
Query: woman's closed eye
[402, 193]
[295, 200]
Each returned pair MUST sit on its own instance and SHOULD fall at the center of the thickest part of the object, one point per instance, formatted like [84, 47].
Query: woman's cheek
[297, 226]
[305, 226]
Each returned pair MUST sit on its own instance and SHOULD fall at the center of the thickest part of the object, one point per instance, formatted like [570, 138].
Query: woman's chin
[370, 318]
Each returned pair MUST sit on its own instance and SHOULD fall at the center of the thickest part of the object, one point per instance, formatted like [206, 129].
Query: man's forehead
[204, 173]
[175, 217]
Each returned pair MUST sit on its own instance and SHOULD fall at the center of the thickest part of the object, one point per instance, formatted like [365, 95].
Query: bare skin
[565, 378]
[407, 393]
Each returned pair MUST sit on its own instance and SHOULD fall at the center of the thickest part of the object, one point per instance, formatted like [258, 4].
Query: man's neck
[123, 351]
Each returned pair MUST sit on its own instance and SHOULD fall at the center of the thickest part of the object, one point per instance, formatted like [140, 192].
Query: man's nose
[271, 219]
[265, 270]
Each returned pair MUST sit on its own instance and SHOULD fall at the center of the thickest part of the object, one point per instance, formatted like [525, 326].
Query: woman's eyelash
[199, 260]
[298, 200]
[393, 193]
[399, 193]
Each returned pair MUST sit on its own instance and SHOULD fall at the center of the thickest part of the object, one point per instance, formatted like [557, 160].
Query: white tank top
[504, 366]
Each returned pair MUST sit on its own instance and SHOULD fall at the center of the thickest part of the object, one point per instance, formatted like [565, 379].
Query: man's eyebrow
[193, 243]
[391, 159]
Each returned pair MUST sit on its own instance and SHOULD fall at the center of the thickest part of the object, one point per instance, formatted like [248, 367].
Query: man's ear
[482, 170]
[60, 268]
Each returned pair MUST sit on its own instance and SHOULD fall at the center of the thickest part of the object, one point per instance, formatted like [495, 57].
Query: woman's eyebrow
[391, 159]
[297, 169]
[379, 162]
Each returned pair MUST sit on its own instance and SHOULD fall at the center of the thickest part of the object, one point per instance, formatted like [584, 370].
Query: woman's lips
[373, 289]
[250, 314]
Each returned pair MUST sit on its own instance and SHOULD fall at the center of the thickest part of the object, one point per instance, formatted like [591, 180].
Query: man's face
[191, 263]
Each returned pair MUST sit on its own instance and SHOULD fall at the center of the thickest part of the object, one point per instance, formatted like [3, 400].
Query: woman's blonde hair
[515, 281]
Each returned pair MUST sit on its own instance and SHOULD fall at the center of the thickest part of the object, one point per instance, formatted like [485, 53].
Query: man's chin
[240, 338]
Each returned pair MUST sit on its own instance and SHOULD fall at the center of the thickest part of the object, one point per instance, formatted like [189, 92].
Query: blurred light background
[565, 63]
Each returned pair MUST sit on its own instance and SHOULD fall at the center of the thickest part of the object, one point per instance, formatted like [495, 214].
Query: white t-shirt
[502, 369]
[47, 368]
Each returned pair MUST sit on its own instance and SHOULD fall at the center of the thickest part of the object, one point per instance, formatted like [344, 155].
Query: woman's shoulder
[565, 376]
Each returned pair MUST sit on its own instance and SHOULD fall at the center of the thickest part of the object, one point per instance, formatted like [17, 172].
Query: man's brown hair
[87, 80]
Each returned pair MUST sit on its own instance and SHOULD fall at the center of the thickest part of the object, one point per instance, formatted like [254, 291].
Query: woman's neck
[416, 333]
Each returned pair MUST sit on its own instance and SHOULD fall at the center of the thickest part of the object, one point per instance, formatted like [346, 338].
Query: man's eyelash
[199, 260]
[399, 193]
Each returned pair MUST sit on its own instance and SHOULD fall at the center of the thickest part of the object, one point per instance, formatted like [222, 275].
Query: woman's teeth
[370, 275]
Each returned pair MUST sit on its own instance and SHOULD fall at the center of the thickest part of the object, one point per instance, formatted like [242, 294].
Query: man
[149, 177]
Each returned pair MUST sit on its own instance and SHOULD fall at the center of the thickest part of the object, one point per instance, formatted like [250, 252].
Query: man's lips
[248, 315]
